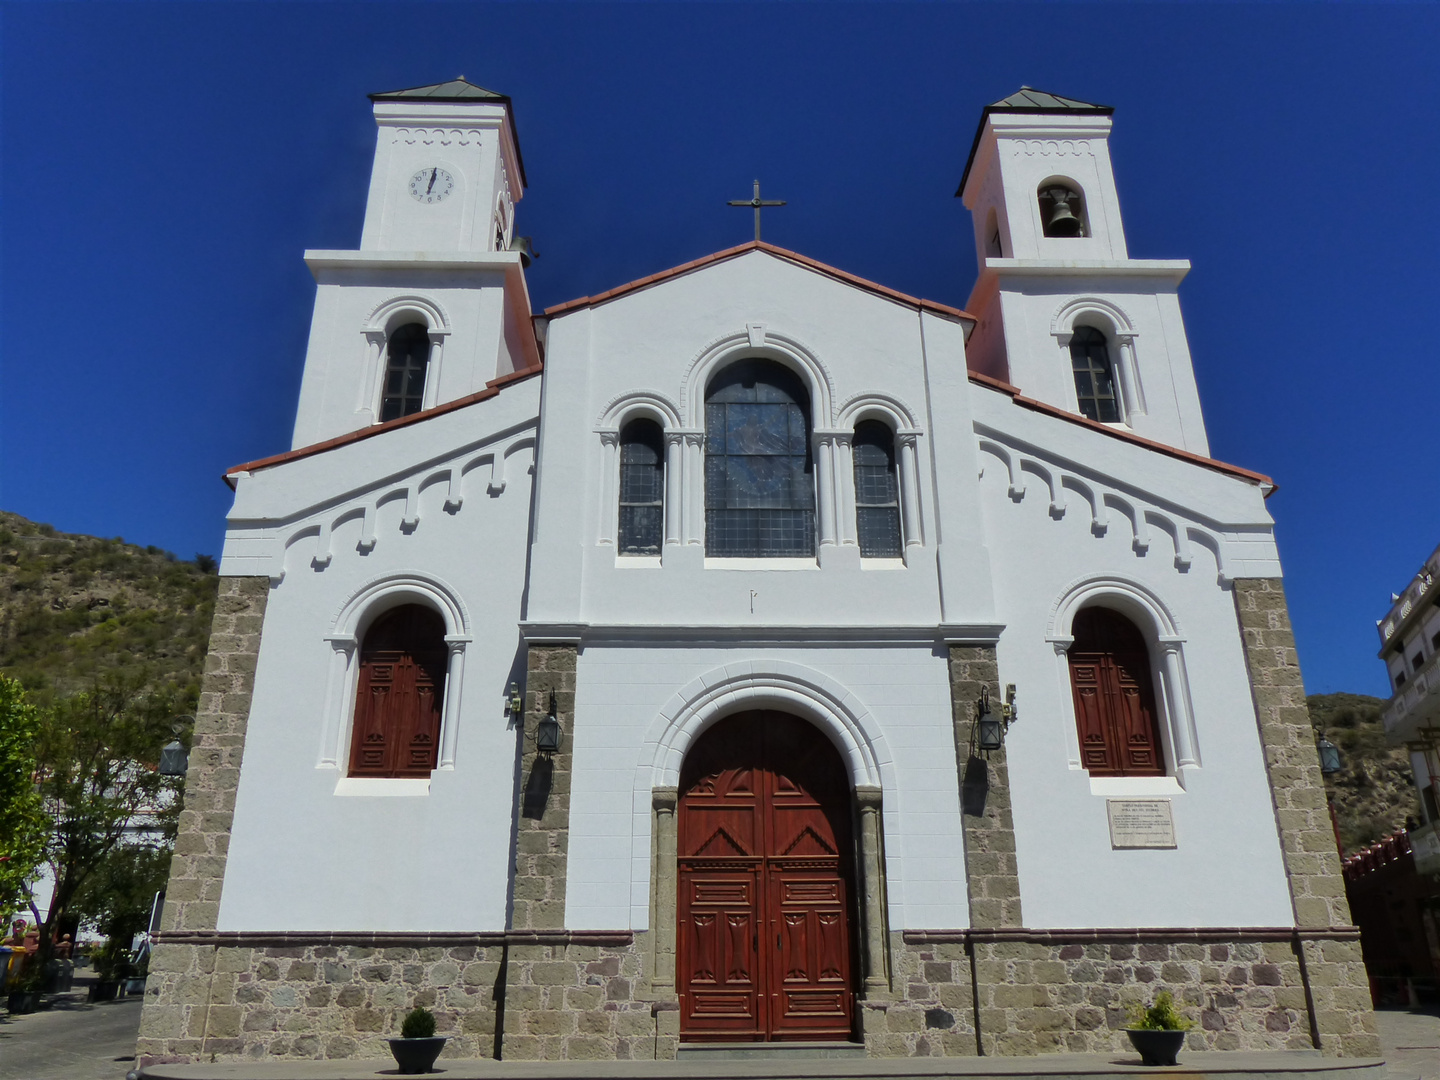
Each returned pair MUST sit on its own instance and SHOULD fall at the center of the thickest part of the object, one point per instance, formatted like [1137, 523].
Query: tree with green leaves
[113, 814]
[24, 825]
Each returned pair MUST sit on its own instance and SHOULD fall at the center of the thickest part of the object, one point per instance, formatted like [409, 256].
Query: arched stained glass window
[1094, 375]
[759, 481]
[877, 490]
[642, 488]
[399, 700]
[407, 353]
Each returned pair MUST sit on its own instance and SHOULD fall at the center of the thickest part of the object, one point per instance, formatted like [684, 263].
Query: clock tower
[433, 307]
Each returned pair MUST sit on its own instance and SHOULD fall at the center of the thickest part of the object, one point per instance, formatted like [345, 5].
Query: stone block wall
[1336, 970]
[992, 874]
[542, 840]
[1070, 991]
[192, 898]
[931, 1012]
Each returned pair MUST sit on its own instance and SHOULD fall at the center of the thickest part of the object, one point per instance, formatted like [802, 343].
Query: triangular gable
[779, 253]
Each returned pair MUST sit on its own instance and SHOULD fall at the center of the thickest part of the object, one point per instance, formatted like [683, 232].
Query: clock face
[431, 185]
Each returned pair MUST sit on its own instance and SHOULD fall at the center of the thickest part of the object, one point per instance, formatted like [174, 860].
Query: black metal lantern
[1329, 756]
[992, 731]
[547, 733]
[174, 761]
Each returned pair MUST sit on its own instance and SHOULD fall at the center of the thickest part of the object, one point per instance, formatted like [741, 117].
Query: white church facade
[749, 653]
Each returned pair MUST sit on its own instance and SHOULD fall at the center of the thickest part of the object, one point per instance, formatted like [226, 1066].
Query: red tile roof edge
[771, 249]
[1139, 440]
[492, 388]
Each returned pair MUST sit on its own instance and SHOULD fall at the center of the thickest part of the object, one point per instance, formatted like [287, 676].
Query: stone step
[770, 1051]
[1235, 1065]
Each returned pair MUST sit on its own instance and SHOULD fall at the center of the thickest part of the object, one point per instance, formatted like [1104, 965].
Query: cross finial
[756, 202]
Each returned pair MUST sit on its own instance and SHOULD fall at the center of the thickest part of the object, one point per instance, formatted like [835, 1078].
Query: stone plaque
[1140, 823]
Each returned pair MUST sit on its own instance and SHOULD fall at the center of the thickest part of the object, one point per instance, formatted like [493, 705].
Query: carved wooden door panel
[764, 934]
[1114, 697]
[401, 687]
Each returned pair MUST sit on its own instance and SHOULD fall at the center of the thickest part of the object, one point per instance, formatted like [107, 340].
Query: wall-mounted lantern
[174, 758]
[514, 705]
[1329, 756]
[991, 728]
[547, 733]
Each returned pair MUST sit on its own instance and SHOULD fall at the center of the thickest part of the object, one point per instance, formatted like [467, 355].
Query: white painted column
[824, 443]
[450, 721]
[845, 488]
[693, 480]
[431, 396]
[1177, 703]
[367, 394]
[909, 488]
[674, 456]
[337, 691]
[609, 487]
[1129, 376]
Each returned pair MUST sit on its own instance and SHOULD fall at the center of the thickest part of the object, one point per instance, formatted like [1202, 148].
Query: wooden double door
[765, 931]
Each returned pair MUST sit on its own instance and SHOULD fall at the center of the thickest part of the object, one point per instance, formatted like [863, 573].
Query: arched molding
[383, 318]
[767, 345]
[392, 590]
[887, 408]
[1158, 625]
[650, 404]
[779, 685]
[1105, 315]
[1125, 594]
[1016, 489]
[351, 622]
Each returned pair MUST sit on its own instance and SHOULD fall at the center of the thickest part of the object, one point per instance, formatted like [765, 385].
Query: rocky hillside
[1374, 793]
[74, 609]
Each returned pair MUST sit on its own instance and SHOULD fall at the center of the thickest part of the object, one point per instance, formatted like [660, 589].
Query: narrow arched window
[877, 490]
[399, 701]
[1062, 211]
[642, 488]
[1094, 375]
[406, 354]
[759, 480]
[1114, 696]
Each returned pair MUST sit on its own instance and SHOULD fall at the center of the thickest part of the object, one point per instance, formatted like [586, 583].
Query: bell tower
[1064, 313]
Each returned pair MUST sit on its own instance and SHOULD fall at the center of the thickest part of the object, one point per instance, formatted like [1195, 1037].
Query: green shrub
[1160, 1016]
[419, 1023]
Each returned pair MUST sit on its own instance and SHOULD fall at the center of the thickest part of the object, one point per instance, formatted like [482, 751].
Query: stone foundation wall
[224, 997]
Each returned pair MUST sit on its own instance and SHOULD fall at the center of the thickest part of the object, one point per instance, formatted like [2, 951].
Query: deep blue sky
[164, 166]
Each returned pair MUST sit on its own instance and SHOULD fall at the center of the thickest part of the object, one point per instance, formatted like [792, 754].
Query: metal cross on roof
[757, 203]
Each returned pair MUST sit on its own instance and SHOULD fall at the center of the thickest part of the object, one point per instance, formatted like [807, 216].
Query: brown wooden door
[1114, 696]
[764, 940]
[397, 704]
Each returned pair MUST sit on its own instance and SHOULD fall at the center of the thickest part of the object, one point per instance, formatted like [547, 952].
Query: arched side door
[766, 948]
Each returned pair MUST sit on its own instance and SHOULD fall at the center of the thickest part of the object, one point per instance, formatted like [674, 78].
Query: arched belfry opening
[1062, 210]
[767, 943]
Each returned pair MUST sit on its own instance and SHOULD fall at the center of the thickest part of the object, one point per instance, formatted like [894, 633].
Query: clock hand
[433, 174]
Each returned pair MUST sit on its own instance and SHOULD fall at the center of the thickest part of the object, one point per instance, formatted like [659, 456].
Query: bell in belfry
[1062, 219]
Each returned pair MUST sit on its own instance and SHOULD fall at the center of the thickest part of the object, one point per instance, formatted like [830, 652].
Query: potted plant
[109, 963]
[24, 996]
[418, 1046]
[1158, 1031]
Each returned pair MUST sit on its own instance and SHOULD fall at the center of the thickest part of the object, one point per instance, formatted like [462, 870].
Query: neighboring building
[1395, 884]
[750, 539]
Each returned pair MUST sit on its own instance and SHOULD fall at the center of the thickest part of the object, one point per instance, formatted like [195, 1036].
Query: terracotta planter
[417, 1055]
[1156, 1047]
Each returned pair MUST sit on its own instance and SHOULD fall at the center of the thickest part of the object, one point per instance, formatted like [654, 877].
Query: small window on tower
[993, 250]
[1062, 211]
[1094, 375]
[642, 488]
[407, 353]
[1417, 660]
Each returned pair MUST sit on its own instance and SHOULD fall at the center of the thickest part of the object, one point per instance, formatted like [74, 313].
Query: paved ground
[1411, 1041]
[70, 1041]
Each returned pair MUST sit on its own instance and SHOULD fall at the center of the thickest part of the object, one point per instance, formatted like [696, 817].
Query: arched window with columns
[407, 355]
[1094, 371]
[642, 487]
[759, 474]
[399, 700]
[877, 491]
